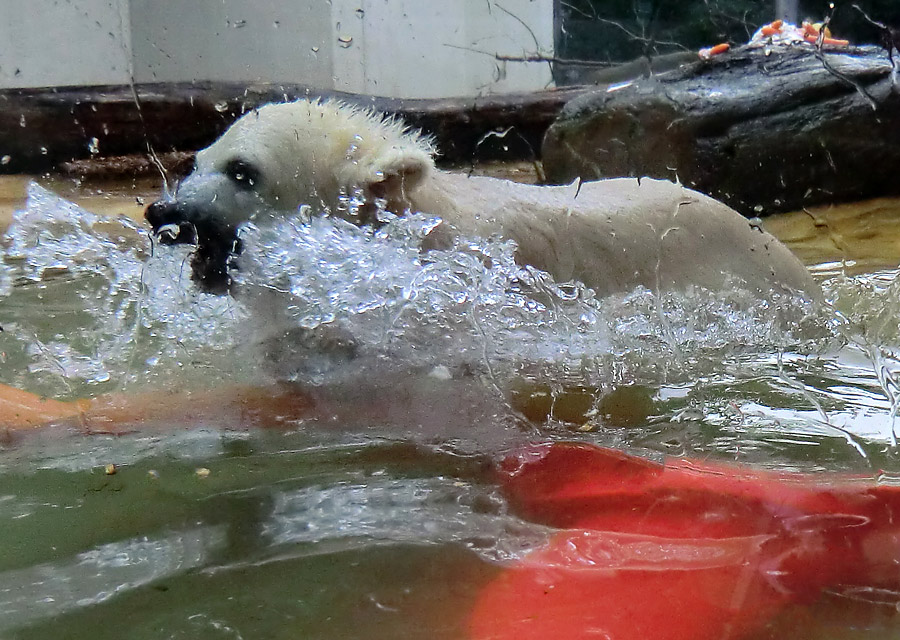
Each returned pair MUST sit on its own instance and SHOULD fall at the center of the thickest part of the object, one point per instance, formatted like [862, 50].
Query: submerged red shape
[687, 550]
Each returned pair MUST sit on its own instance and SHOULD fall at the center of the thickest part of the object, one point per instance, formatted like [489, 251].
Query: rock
[762, 131]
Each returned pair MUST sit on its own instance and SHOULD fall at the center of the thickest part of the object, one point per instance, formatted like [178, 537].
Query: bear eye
[245, 174]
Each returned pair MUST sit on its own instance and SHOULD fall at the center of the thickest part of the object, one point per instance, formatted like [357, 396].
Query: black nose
[218, 245]
[172, 222]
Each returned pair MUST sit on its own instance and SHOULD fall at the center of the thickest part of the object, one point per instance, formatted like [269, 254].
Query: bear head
[333, 157]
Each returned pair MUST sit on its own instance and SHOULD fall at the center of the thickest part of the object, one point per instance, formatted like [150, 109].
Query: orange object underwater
[685, 550]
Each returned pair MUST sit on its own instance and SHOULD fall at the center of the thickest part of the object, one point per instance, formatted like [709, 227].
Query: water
[378, 518]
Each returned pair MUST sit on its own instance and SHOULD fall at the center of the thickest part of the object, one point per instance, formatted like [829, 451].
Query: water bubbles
[353, 149]
[471, 305]
[6, 280]
[59, 358]
[110, 307]
[103, 298]
[403, 510]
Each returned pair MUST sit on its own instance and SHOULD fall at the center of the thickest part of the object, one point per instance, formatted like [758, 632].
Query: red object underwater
[687, 550]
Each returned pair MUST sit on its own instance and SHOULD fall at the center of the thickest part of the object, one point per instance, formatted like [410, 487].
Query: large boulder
[764, 130]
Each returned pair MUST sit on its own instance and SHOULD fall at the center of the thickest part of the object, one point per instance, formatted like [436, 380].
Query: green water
[158, 550]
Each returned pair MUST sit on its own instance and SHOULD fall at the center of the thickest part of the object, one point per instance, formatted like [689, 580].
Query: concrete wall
[440, 48]
[48, 42]
[240, 40]
[398, 48]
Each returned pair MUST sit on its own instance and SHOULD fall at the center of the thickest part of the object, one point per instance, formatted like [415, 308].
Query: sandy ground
[111, 198]
[864, 234]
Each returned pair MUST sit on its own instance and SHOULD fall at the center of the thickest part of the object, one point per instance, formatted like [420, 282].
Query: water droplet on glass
[43, 151]
[22, 120]
[345, 41]
[94, 146]
[221, 107]
[5, 159]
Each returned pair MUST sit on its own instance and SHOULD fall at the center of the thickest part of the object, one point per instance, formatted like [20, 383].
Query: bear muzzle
[171, 222]
[178, 222]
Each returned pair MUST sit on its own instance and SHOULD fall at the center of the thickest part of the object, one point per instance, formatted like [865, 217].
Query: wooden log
[43, 128]
[764, 132]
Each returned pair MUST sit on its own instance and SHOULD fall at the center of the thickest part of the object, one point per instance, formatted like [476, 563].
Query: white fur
[611, 234]
[311, 151]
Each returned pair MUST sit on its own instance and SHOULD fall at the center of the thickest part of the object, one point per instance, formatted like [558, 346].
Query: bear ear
[397, 172]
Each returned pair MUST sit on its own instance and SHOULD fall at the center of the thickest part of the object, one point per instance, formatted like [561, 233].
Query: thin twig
[534, 38]
[540, 58]
[536, 57]
[820, 56]
[890, 40]
[641, 38]
[593, 13]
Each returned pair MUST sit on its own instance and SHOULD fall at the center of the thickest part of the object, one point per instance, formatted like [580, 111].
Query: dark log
[42, 128]
[762, 132]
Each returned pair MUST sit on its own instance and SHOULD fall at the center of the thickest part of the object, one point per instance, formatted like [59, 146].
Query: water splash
[471, 305]
[90, 302]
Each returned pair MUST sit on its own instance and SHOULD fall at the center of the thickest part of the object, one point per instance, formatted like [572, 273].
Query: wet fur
[613, 235]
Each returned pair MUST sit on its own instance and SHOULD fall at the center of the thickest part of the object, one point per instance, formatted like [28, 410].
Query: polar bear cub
[612, 235]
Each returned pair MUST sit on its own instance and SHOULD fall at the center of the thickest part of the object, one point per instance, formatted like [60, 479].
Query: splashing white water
[126, 311]
[471, 305]
[89, 302]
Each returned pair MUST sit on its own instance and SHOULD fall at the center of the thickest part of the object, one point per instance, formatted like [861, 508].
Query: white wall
[239, 40]
[53, 42]
[440, 48]
[397, 48]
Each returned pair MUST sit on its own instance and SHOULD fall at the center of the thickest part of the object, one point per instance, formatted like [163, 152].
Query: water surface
[379, 518]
